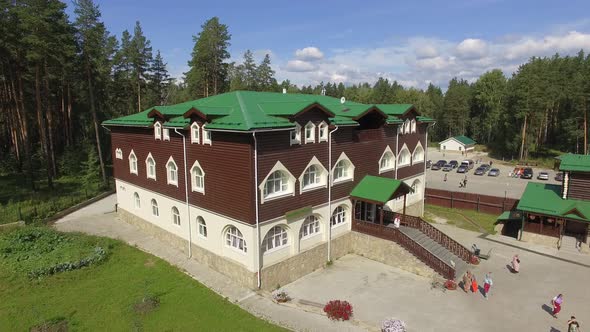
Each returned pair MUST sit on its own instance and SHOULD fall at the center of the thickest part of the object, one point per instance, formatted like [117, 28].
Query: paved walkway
[100, 219]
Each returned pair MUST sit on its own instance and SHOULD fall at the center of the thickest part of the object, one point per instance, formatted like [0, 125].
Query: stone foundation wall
[390, 253]
[545, 240]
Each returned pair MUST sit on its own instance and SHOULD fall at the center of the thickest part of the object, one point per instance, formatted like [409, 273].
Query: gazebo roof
[376, 189]
[546, 199]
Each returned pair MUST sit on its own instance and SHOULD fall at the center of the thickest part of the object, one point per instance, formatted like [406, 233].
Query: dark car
[494, 172]
[462, 169]
[454, 163]
[480, 171]
[559, 177]
[527, 173]
[486, 167]
[447, 168]
[428, 163]
[439, 164]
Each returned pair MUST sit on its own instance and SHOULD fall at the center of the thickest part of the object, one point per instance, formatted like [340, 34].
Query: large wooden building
[251, 179]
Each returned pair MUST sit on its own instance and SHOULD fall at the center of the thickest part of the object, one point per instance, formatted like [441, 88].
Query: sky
[413, 42]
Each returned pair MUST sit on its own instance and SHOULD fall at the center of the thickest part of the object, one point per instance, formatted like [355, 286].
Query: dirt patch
[146, 305]
[150, 262]
[59, 325]
[436, 219]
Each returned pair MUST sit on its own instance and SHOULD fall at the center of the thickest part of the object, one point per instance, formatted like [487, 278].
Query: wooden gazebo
[372, 193]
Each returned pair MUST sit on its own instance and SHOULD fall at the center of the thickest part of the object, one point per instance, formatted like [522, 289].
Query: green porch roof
[546, 199]
[248, 110]
[377, 189]
[464, 139]
[575, 162]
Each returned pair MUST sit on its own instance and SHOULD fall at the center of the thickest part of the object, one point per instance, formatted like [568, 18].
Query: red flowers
[474, 260]
[338, 310]
[450, 285]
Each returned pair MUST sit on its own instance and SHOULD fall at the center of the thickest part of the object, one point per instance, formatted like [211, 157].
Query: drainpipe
[188, 210]
[330, 193]
[256, 208]
[396, 150]
[425, 159]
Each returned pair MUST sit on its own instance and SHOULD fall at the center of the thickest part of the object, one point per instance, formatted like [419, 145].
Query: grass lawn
[102, 297]
[16, 194]
[456, 217]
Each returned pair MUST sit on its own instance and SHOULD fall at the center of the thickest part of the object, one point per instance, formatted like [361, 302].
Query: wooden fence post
[477, 203]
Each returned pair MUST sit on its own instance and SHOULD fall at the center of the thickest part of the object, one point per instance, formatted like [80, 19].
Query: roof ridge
[244, 110]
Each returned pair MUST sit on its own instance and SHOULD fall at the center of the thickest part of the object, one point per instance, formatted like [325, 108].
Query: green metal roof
[546, 199]
[464, 139]
[425, 119]
[575, 162]
[509, 215]
[247, 110]
[378, 189]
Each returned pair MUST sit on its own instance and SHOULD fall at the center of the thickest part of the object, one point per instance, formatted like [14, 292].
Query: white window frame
[296, 138]
[322, 176]
[155, 208]
[195, 133]
[349, 170]
[401, 154]
[323, 132]
[166, 134]
[392, 160]
[133, 163]
[234, 240]
[175, 216]
[136, 201]
[413, 125]
[194, 181]
[118, 153]
[311, 128]
[158, 130]
[407, 127]
[310, 227]
[275, 239]
[207, 136]
[421, 159]
[147, 167]
[415, 187]
[202, 227]
[290, 191]
[339, 216]
[169, 179]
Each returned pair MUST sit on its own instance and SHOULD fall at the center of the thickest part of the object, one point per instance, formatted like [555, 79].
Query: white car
[543, 176]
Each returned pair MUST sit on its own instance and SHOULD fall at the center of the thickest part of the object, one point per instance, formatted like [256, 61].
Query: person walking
[515, 264]
[466, 281]
[465, 182]
[573, 325]
[445, 177]
[557, 301]
[487, 284]
[473, 284]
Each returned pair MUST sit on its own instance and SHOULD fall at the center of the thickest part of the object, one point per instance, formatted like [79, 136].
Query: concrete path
[100, 219]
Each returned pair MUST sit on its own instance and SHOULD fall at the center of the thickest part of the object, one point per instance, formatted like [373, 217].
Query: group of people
[572, 323]
[470, 283]
[463, 183]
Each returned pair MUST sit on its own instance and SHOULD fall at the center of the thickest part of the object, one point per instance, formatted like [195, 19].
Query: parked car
[439, 164]
[428, 163]
[494, 172]
[543, 176]
[454, 163]
[559, 177]
[462, 169]
[469, 163]
[485, 166]
[527, 173]
[480, 171]
[447, 168]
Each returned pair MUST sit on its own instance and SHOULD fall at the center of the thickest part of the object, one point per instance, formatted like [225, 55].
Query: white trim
[166, 134]
[413, 125]
[290, 184]
[323, 128]
[158, 130]
[311, 126]
[168, 180]
[419, 145]
[118, 153]
[392, 160]
[407, 126]
[297, 131]
[323, 176]
[195, 139]
[194, 186]
[147, 167]
[401, 152]
[350, 170]
[134, 163]
[207, 137]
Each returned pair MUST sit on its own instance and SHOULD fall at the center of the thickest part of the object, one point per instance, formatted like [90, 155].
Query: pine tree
[265, 80]
[140, 57]
[160, 80]
[249, 72]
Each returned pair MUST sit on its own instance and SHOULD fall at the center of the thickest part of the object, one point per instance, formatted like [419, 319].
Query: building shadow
[554, 329]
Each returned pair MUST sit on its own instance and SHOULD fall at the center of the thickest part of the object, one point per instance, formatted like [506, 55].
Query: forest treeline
[61, 76]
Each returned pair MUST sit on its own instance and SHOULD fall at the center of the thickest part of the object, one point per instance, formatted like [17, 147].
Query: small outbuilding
[457, 144]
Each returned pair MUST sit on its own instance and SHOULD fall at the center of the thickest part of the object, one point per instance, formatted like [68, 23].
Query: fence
[469, 201]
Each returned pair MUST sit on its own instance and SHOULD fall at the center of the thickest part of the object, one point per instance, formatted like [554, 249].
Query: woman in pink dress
[515, 264]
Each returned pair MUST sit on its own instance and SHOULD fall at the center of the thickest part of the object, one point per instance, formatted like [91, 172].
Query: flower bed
[281, 296]
[393, 325]
[338, 310]
[450, 285]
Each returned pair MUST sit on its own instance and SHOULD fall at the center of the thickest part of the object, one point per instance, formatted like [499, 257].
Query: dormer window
[166, 134]
[387, 161]
[195, 133]
[296, 134]
[413, 125]
[407, 127]
[309, 133]
[158, 131]
[323, 131]
[206, 136]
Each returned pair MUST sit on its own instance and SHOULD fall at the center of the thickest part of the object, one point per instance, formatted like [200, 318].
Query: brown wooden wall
[579, 186]
[469, 201]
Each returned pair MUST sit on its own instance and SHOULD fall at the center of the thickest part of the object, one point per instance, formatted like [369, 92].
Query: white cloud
[309, 54]
[300, 66]
[471, 49]
[426, 52]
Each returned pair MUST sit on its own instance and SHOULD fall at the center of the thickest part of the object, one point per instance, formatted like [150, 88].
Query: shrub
[280, 296]
[338, 310]
[393, 325]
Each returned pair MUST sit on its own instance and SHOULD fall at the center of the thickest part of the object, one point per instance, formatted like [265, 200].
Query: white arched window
[323, 132]
[155, 211]
[157, 130]
[175, 216]
[276, 184]
[415, 188]
[338, 216]
[132, 163]
[309, 133]
[407, 127]
[136, 200]
[387, 161]
[202, 226]
[206, 136]
[295, 134]
[195, 133]
[404, 157]
[275, 238]
[413, 126]
[166, 134]
[311, 177]
[342, 170]
[197, 178]
[418, 155]
[234, 239]
[119, 153]
[172, 172]
[311, 226]
[150, 165]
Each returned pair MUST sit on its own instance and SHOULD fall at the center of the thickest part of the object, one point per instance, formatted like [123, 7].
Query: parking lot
[500, 186]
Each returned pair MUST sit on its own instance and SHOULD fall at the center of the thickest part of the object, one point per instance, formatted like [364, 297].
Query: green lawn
[101, 297]
[458, 217]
